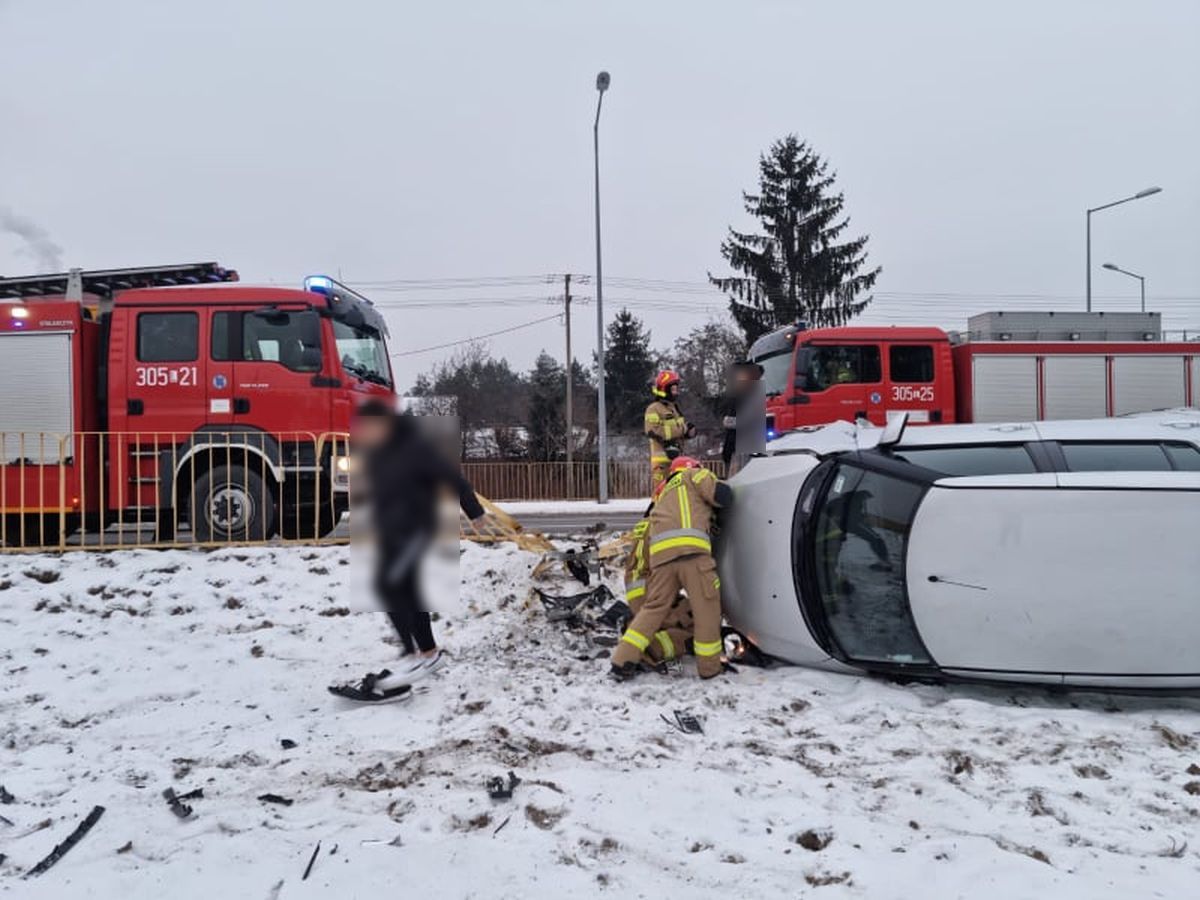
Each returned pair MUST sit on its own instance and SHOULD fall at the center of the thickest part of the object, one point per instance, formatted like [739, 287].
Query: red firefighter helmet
[683, 462]
[665, 379]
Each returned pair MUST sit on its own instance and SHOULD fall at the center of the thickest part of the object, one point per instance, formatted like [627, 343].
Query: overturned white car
[1054, 552]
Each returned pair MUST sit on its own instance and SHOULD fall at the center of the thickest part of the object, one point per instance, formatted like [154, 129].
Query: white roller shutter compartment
[35, 395]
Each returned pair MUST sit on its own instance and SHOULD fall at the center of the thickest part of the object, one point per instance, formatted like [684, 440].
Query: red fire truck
[1010, 366]
[158, 396]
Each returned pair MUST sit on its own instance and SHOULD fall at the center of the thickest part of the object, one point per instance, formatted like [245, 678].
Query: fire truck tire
[231, 503]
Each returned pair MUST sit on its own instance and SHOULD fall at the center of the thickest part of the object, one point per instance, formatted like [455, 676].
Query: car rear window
[1108, 457]
[977, 459]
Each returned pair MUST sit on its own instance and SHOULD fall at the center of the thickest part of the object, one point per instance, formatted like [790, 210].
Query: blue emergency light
[319, 284]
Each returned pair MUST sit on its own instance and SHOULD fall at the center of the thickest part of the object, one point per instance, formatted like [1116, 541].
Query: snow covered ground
[128, 673]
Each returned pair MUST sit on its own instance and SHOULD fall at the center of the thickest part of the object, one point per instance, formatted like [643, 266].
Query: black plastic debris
[577, 566]
[498, 789]
[5, 797]
[616, 616]
[72, 839]
[275, 798]
[288, 744]
[685, 722]
[570, 608]
[175, 802]
[311, 860]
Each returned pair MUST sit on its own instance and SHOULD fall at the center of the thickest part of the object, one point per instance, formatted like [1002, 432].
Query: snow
[128, 672]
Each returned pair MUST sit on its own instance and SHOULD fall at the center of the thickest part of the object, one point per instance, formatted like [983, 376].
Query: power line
[478, 337]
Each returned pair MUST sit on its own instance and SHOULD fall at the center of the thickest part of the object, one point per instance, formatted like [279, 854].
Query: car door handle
[799, 398]
[241, 405]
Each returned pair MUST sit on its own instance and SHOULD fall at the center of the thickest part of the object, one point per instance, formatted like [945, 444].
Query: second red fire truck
[1008, 367]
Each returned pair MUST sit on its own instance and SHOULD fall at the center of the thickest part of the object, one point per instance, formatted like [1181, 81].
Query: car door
[1085, 577]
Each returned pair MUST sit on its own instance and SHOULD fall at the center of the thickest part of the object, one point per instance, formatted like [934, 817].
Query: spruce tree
[547, 423]
[796, 270]
[628, 372]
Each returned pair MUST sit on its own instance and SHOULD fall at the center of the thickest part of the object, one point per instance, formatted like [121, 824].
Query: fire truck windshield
[363, 352]
[776, 368]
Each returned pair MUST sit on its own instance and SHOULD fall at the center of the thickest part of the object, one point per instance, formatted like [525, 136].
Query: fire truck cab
[1009, 366]
[158, 396]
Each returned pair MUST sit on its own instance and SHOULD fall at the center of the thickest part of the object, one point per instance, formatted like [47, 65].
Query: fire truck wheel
[231, 503]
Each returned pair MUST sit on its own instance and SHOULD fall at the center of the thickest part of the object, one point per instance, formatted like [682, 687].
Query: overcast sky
[399, 141]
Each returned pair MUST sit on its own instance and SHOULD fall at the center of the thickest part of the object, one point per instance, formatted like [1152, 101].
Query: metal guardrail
[218, 488]
[106, 490]
[562, 481]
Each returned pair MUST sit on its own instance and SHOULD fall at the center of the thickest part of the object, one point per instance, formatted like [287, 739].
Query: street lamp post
[1148, 192]
[1141, 278]
[602, 81]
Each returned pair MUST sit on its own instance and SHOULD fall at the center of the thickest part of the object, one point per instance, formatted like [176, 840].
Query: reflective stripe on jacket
[680, 520]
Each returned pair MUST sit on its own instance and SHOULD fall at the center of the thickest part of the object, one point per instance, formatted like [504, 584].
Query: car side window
[976, 459]
[168, 337]
[910, 364]
[1109, 457]
[833, 366]
[287, 338]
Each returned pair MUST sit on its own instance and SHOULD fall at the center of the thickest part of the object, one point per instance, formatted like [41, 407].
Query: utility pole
[570, 390]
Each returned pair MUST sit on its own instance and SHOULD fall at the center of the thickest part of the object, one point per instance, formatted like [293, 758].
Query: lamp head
[603, 79]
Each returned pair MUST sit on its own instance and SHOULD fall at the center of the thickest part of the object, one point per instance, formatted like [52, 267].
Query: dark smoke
[46, 254]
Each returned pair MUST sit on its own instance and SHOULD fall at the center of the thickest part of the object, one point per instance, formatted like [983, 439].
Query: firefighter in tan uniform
[665, 425]
[674, 636]
[680, 557]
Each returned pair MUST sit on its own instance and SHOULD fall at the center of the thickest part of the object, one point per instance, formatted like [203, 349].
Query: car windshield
[363, 352]
[861, 533]
[776, 369]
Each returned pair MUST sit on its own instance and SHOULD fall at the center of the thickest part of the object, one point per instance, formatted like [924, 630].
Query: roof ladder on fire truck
[104, 282]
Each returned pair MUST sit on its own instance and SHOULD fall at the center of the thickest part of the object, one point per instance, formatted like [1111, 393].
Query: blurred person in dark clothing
[403, 475]
[742, 377]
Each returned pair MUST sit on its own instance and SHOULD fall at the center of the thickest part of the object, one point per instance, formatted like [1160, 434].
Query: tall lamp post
[1148, 192]
[1141, 278]
[602, 81]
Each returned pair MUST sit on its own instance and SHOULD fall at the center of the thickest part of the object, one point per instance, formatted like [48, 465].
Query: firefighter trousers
[671, 639]
[697, 576]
